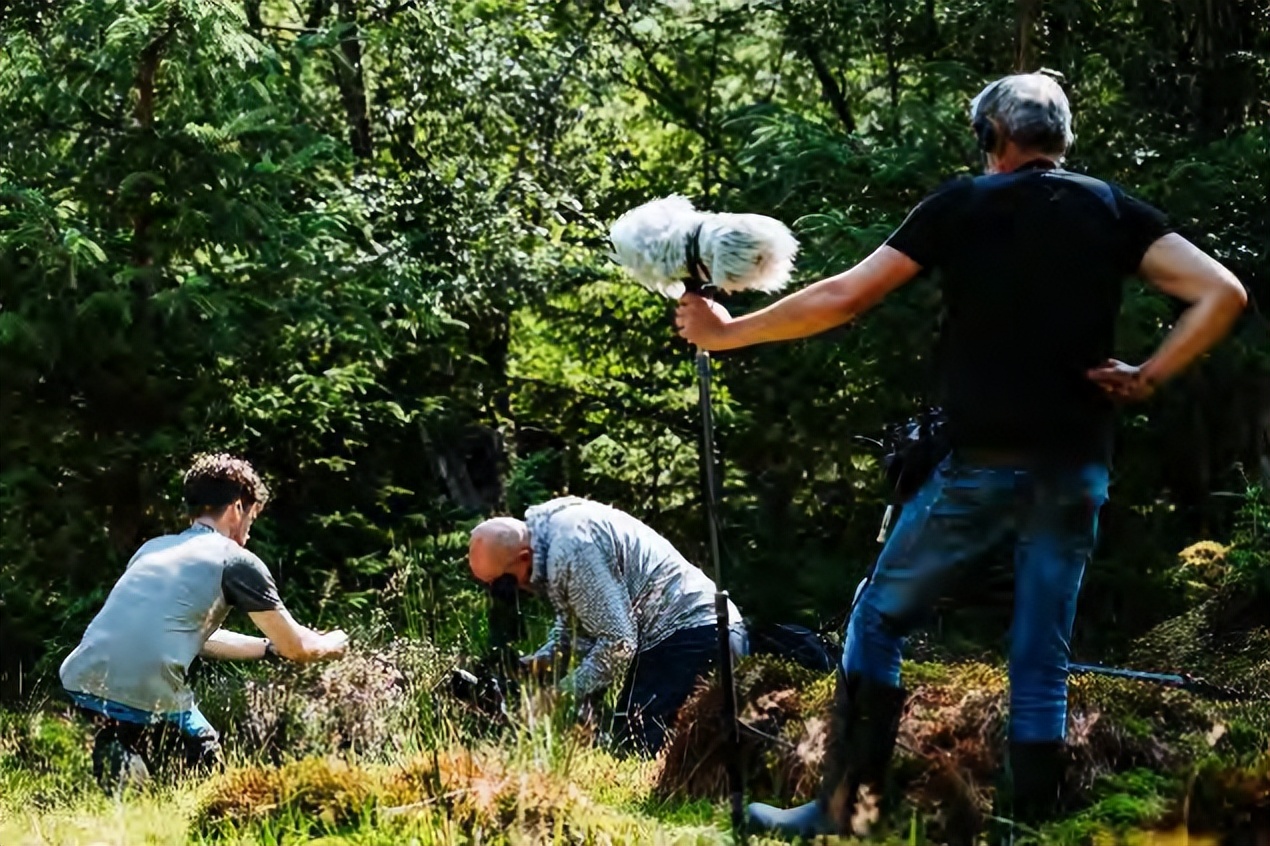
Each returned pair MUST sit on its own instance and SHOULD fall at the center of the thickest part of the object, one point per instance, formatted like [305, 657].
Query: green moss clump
[326, 794]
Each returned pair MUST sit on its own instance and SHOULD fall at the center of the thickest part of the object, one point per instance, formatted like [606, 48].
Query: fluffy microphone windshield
[737, 252]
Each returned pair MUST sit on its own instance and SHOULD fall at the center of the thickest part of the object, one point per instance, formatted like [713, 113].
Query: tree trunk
[147, 70]
[1027, 13]
[932, 31]
[254, 22]
[1227, 87]
[352, 82]
[450, 467]
[317, 13]
[892, 63]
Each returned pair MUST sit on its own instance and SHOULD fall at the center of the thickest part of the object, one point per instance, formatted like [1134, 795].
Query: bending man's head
[226, 493]
[500, 547]
[1021, 117]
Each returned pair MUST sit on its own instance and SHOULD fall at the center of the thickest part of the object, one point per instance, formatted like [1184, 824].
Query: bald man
[627, 603]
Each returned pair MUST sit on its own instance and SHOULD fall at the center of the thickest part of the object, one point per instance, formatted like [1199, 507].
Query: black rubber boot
[117, 766]
[1036, 782]
[863, 725]
[203, 756]
[1037, 773]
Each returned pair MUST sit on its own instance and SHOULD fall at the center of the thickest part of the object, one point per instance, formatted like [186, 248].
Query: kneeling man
[128, 674]
[644, 616]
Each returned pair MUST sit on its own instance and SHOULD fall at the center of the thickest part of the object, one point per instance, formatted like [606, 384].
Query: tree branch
[801, 34]
[707, 161]
[666, 95]
[304, 30]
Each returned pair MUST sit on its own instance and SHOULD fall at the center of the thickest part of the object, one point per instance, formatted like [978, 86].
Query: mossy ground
[542, 789]
[372, 751]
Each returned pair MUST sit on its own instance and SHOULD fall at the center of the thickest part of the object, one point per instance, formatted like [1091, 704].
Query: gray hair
[1030, 109]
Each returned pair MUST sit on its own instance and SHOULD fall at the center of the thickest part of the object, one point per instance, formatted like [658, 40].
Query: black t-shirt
[249, 586]
[1031, 266]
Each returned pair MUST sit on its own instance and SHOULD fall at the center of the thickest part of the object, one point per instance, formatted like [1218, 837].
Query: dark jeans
[658, 683]
[963, 510]
[127, 753]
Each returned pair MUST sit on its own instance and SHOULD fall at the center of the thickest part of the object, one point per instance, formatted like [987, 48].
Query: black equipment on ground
[491, 683]
[797, 644]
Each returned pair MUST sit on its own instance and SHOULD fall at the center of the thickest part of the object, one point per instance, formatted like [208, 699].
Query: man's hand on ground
[1122, 382]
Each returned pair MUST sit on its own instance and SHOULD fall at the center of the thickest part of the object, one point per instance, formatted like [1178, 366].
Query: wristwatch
[271, 651]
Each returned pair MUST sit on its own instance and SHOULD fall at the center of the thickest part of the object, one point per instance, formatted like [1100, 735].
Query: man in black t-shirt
[1030, 260]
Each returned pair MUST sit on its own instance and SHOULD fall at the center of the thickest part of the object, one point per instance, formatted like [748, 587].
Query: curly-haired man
[128, 673]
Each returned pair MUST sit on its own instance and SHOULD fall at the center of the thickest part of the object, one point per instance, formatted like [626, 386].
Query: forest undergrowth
[374, 749]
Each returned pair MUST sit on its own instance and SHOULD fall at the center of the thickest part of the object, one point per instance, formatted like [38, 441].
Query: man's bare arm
[1178, 268]
[296, 642]
[817, 308]
[225, 645]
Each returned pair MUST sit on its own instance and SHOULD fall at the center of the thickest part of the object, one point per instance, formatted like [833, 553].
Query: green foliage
[363, 244]
[530, 480]
[1121, 804]
[194, 258]
[1250, 548]
[43, 760]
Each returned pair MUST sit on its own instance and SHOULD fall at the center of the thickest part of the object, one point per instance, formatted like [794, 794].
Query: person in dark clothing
[1030, 259]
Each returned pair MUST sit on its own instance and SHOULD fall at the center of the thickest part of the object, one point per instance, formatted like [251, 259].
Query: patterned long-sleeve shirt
[621, 585]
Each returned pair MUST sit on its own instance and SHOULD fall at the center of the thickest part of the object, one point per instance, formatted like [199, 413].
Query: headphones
[985, 129]
[986, 134]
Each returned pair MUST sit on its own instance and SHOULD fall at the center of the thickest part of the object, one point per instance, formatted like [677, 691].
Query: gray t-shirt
[175, 592]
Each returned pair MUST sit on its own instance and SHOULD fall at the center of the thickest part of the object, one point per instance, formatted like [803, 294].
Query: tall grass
[332, 751]
[373, 750]
[367, 750]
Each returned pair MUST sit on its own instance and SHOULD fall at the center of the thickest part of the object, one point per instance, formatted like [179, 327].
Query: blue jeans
[130, 742]
[962, 511]
[192, 723]
[658, 683]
